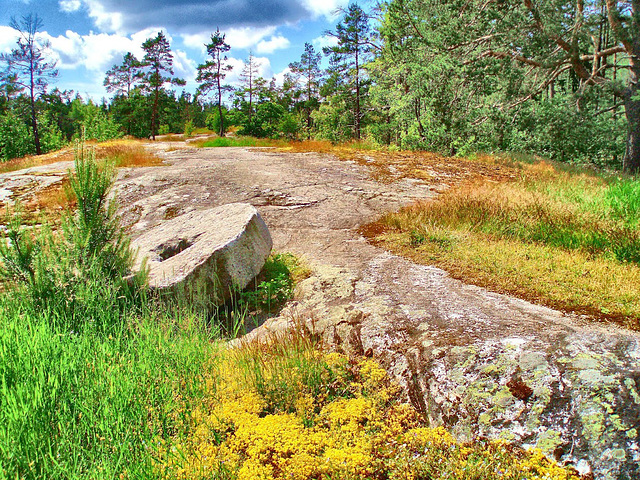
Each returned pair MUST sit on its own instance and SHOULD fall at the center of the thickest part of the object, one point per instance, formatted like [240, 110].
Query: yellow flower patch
[297, 413]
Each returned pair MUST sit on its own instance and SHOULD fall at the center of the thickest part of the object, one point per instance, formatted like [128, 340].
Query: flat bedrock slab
[205, 252]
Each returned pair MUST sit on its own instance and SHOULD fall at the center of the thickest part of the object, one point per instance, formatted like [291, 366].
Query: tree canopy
[555, 78]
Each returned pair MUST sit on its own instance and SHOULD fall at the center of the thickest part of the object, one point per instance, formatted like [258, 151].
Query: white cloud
[8, 39]
[324, 41]
[326, 8]
[96, 52]
[247, 37]
[107, 21]
[100, 51]
[274, 43]
[70, 6]
[196, 40]
[184, 67]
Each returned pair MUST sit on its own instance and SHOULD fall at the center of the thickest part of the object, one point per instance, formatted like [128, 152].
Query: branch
[616, 25]
[574, 56]
[615, 106]
[556, 73]
[512, 55]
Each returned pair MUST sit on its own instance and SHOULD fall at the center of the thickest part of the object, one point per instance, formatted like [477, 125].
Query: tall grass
[89, 405]
[592, 216]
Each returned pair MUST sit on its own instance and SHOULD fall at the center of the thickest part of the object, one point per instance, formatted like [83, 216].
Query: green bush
[334, 122]
[92, 122]
[15, 137]
[188, 129]
[213, 120]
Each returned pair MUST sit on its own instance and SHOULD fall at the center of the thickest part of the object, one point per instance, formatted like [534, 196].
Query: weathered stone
[204, 254]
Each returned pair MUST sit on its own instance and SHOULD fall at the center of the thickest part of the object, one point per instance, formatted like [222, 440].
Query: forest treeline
[556, 78]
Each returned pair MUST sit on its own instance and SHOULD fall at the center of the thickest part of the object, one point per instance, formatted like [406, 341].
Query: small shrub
[188, 129]
[274, 286]
[83, 272]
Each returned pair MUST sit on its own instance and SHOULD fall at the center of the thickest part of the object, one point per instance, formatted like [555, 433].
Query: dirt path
[481, 363]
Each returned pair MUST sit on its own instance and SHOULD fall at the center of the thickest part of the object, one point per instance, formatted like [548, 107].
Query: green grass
[240, 142]
[89, 405]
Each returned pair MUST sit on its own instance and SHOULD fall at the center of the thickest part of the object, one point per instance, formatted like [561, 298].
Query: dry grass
[62, 155]
[548, 236]
[388, 166]
[126, 152]
[50, 203]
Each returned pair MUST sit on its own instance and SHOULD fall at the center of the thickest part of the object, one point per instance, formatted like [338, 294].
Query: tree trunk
[34, 118]
[221, 132]
[154, 115]
[357, 94]
[309, 83]
[34, 123]
[631, 163]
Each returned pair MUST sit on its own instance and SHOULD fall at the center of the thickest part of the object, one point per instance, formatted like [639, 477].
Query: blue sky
[89, 36]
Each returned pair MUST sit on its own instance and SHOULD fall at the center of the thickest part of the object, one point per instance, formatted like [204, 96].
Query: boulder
[201, 256]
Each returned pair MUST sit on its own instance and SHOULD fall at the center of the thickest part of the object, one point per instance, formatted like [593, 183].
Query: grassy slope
[569, 240]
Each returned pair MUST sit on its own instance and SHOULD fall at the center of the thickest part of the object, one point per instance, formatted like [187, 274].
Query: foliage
[460, 77]
[274, 286]
[15, 140]
[91, 122]
[265, 122]
[353, 49]
[308, 69]
[71, 274]
[213, 121]
[188, 129]
[157, 71]
[121, 79]
[27, 67]
[333, 121]
[212, 73]
[555, 129]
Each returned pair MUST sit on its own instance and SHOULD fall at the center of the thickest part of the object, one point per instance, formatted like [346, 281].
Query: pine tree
[27, 67]
[122, 78]
[248, 77]
[211, 73]
[351, 53]
[308, 69]
[157, 60]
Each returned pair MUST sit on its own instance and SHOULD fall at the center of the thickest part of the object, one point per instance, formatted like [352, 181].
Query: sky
[88, 37]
